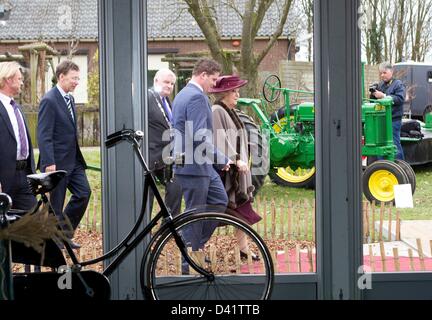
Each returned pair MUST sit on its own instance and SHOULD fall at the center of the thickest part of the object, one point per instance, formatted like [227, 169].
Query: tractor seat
[45, 182]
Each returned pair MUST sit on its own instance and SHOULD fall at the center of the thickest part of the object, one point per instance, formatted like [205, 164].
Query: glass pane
[396, 238]
[284, 194]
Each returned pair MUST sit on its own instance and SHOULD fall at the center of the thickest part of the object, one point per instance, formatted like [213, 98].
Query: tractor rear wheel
[379, 180]
[409, 172]
[259, 159]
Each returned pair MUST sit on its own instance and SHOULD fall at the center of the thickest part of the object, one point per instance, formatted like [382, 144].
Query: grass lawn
[422, 196]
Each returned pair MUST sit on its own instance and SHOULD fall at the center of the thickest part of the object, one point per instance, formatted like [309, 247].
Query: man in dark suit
[201, 184]
[59, 150]
[16, 151]
[160, 125]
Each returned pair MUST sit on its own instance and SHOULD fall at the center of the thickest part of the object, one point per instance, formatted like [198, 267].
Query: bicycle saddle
[45, 182]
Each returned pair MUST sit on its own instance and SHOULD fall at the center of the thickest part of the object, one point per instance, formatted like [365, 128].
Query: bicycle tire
[167, 276]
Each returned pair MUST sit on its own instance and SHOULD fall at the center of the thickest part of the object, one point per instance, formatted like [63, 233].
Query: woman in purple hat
[230, 137]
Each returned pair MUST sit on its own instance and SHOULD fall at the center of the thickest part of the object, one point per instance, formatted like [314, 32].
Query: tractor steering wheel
[271, 88]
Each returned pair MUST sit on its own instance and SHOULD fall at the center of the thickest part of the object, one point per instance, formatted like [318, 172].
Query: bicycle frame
[134, 138]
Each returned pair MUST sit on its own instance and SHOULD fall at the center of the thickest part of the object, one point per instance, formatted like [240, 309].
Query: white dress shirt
[11, 113]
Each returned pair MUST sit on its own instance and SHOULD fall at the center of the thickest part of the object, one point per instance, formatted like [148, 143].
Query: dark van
[417, 78]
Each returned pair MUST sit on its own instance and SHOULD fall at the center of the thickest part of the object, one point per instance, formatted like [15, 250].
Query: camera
[373, 87]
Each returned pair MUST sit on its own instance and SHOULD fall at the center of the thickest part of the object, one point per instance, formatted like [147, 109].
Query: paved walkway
[410, 231]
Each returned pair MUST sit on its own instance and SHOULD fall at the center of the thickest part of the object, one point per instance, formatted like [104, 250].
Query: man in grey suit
[160, 125]
[201, 184]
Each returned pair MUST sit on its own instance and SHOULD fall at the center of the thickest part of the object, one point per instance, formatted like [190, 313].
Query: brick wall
[269, 64]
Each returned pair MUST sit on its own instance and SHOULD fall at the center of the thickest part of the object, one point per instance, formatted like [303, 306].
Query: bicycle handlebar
[129, 135]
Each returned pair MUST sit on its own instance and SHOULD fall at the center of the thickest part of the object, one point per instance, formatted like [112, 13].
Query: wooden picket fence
[383, 216]
[287, 219]
[92, 220]
[395, 262]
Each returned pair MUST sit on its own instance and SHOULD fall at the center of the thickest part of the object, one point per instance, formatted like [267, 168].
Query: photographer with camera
[390, 87]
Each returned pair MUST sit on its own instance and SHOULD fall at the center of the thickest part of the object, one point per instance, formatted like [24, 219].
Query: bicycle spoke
[183, 282]
[232, 276]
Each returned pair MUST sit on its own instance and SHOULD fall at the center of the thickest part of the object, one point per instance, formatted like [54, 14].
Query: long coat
[226, 139]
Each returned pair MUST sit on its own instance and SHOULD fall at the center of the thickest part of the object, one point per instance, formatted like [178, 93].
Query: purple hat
[227, 83]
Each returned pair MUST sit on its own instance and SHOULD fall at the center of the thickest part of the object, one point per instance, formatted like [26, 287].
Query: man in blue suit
[16, 151]
[200, 183]
[59, 150]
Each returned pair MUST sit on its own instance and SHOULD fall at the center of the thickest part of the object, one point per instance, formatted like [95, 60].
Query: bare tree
[420, 15]
[307, 6]
[399, 29]
[252, 16]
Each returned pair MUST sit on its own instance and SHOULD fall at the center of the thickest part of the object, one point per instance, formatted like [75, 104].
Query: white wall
[155, 63]
[80, 94]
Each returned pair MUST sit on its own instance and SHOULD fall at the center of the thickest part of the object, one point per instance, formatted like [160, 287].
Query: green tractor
[291, 139]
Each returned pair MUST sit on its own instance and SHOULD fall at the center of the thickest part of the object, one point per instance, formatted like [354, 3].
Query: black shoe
[244, 255]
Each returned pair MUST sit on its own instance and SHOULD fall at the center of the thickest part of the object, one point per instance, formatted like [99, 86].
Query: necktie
[167, 109]
[21, 131]
[69, 106]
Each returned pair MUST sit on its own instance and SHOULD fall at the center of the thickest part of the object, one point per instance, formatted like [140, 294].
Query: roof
[171, 19]
[67, 19]
[51, 19]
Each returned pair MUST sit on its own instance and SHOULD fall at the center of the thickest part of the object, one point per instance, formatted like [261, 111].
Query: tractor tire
[379, 178]
[259, 161]
[409, 172]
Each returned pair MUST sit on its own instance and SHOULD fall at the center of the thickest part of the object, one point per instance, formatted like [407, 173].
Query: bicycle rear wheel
[233, 275]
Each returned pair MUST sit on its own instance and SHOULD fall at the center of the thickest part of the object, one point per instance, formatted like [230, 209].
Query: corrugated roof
[66, 19]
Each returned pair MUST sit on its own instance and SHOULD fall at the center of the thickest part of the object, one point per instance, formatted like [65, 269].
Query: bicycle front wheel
[237, 262]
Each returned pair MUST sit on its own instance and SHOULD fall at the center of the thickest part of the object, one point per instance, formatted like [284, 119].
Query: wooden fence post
[273, 218]
[282, 222]
[289, 219]
[421, 254]
[371, 258]
[306, 219]
[381, 222]
[396, 259]
[383, 256]
[287, 258]
[390, 223]
[410, 254]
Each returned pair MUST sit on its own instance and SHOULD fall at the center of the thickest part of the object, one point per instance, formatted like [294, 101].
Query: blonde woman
[230, 137]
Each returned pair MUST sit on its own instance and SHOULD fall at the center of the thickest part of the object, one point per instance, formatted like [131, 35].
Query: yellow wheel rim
[381, 184]
[295, 176]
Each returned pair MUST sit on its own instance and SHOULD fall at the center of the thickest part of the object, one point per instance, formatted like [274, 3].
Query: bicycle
[170, 269]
